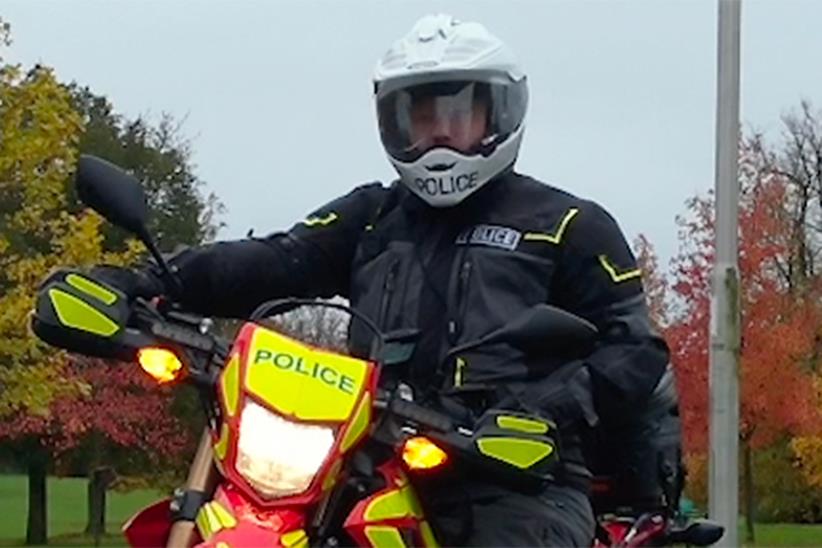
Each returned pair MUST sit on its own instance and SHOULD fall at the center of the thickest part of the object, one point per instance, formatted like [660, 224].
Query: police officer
[457, 246]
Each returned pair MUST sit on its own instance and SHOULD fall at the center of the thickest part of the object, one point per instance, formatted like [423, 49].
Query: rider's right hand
[133, 282]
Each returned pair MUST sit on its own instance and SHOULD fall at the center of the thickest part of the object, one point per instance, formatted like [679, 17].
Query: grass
[783, 534]
[66, 511]
[67, 516]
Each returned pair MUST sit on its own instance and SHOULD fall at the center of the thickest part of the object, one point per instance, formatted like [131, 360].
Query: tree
[180, 214]
[39, 134]
[43, 125]
[123, 417]
[654, 283]
[160, 157]
[797, 160]
[323, 327]
[779, 323]
[5, 35]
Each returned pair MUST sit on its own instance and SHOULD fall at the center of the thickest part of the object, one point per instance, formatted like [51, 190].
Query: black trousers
[558, 516]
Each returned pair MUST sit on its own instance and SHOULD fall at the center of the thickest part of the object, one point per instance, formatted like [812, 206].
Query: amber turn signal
[420, 453]
[162, 364]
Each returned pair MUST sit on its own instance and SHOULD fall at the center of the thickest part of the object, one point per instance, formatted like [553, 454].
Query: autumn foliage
[120, 406]
[779, 328]
[53, 405]
[781, 318]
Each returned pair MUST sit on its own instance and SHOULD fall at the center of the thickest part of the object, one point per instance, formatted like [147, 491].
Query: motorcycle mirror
[112, 193]
[541, 327]
[119, 198]
[701, 532]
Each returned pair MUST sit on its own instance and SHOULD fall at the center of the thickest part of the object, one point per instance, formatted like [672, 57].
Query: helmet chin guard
[451, 102]
[443, 177]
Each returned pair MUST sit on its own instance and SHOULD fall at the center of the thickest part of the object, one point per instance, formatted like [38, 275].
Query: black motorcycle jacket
[456, 274]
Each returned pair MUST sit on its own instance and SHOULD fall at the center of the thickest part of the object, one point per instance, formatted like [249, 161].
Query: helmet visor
[469, 117]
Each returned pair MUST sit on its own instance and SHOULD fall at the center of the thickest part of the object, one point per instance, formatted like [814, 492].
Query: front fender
[150, 526]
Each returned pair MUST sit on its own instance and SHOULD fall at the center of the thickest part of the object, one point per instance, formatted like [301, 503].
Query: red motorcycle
[306, 446]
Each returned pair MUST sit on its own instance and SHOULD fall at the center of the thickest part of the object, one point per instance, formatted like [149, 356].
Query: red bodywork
[241, 348]
[391, 516]
[150, 526]
[648, 534]
[260, 527]
[257, 521]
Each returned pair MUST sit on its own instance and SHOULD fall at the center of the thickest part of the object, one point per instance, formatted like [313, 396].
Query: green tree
[160, 157]
[180, 214]
[39, 132]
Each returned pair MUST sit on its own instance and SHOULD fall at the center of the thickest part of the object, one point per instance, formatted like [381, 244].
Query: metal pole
[725, 318]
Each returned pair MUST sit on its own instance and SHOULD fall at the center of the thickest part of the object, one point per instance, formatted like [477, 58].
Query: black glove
[134, 283]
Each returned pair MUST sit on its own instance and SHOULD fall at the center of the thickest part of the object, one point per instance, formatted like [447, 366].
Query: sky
[276, 95]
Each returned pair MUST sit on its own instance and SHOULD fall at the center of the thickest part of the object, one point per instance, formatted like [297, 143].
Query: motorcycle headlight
[279, 457]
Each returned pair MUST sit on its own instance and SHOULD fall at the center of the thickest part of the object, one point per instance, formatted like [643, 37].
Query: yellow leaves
[39, 133]
[808, 449]
[135, 250]
[80, 244]
[32, 388]
[808, 452]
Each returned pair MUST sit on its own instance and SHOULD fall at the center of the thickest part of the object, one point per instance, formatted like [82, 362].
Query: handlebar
[417, 414]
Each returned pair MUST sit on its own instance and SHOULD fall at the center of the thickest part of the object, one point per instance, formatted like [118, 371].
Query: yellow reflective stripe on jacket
[322, 221]
[556, 237]
[459, 372]
[616, 276]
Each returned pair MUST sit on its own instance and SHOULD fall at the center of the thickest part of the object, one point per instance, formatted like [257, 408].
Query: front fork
[202, 477]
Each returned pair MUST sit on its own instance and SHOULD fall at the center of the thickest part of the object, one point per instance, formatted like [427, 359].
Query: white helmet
[451, 101]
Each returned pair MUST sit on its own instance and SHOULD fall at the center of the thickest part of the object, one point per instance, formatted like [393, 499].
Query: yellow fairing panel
[397, 504]
[229, 383]
[295, 539]
[358, 425]
[302, 381]
[383, 536]
[221, 447]
[213, 517]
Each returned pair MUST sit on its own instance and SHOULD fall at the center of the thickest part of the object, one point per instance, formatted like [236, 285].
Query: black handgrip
[421, 415]
[183, 335]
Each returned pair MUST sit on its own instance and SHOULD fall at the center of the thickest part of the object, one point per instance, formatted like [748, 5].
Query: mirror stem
[171, 281]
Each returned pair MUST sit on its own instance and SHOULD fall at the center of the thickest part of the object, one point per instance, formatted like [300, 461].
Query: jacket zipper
[460, 304]
[455, 323]
[388, 289]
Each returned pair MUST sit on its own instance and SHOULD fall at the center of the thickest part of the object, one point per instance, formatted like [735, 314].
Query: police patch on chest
[490, 235]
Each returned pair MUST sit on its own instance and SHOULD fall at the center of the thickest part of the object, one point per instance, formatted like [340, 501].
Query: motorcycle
[306, 446]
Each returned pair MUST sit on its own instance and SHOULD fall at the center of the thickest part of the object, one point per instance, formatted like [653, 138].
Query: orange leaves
[121, 405]
[780, 321]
